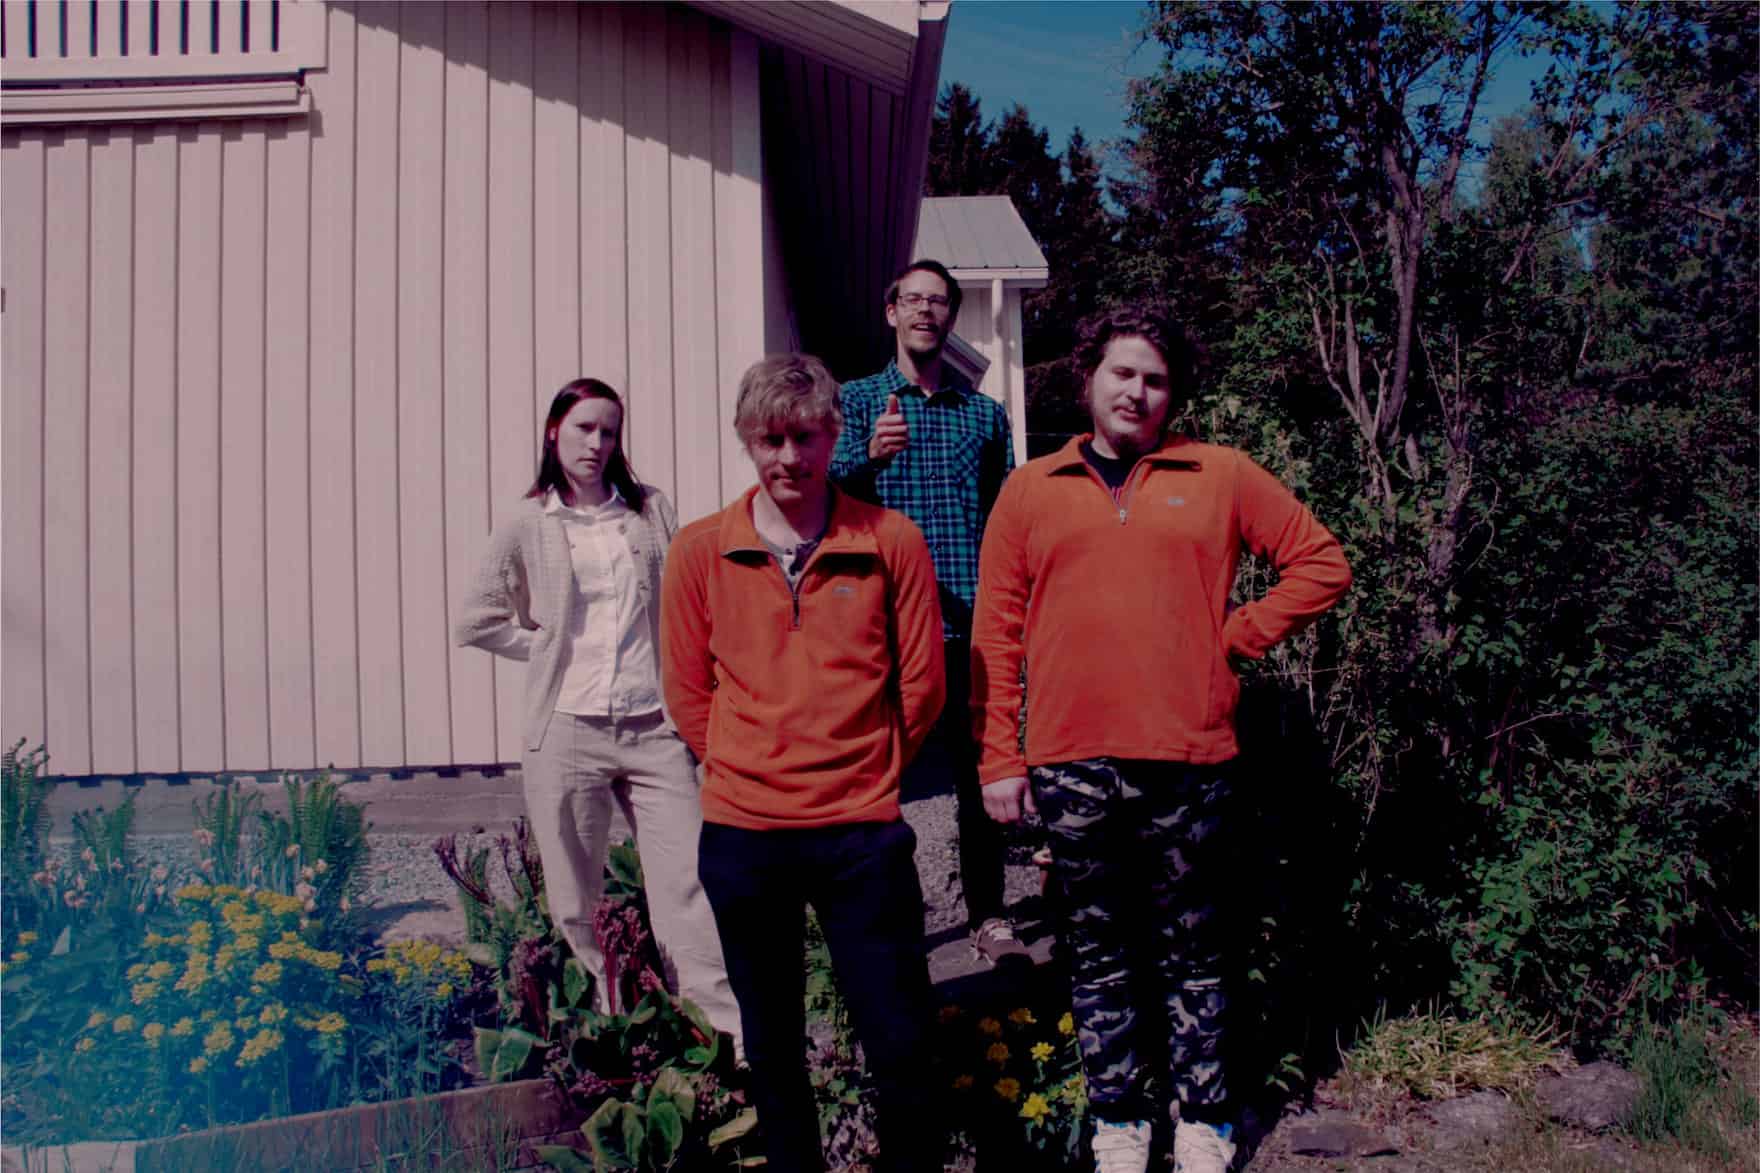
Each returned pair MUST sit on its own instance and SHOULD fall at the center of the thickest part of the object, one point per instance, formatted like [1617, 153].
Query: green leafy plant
[516, 941]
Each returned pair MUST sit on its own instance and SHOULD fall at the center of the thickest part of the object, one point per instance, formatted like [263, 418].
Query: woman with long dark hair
[571, 586]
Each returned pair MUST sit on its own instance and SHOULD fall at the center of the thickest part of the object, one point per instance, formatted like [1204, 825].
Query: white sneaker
[1121, 1148]
[1202, 1148]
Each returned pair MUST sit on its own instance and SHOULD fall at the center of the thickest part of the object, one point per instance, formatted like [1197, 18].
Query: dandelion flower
[331, 1023]
[1008, 1088]
[143, 992]
[1042, 1051]
[197, 1065]
[273, 1013]
[123, 1024]
[1037, 1107]
[85, 1044]
[260, 1044]
[183, 1028]
[1067, 1024]
[267, 973]
[218, 1040]
[153, 1032]
[997, 1054]
[98, 1018]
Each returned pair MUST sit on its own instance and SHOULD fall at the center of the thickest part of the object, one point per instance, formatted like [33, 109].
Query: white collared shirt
[610, 664]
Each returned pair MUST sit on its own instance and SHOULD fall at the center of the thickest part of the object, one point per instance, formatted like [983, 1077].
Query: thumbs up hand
[891, 433]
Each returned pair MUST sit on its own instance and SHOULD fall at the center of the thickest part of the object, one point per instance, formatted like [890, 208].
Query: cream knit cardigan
[524, 595]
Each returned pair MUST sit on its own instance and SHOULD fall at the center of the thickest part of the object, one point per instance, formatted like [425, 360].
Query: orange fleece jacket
[803, 714]
[1120, 608]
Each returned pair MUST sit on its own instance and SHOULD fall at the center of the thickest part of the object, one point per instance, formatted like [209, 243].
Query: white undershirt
[609, 664]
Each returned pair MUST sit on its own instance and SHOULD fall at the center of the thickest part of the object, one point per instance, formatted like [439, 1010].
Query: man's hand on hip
[1005, 799]
[891, 433]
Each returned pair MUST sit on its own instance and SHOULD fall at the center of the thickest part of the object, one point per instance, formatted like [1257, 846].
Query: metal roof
[971, 233]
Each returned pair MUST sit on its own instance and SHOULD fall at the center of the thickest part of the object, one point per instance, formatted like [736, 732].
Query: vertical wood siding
[268, 383]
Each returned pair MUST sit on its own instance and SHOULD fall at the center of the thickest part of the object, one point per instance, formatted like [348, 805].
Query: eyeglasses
[917, 301]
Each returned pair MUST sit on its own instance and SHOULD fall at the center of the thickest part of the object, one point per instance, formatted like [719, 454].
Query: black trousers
[861, 880]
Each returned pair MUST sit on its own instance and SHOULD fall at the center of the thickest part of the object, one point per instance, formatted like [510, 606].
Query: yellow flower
[1067, 1024]
[443, 990]
[19, 956]
[331, 1023]
[183, 1028]
[962, 1083]
[85, 1044]
[327, 959]
[273, 1013]
[143, 992]
[281, 951]
[948, 1014]
[123, 1024]
[218, 1040]
[1021, 1017]
[137, 971]
[997, 1054]
[1008, 1088]
[160, 970]
[27, 938]
[261, 1044]
[153, 1031]
[197, 1065]
[267, 973]
[1037, 1107]
[98, 1018]
[1042, 1051]
[989, 1026]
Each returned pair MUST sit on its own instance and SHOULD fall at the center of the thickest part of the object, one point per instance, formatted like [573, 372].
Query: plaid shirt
[945, 480]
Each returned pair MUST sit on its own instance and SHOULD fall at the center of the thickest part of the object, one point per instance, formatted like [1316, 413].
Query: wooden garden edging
[442, 1130]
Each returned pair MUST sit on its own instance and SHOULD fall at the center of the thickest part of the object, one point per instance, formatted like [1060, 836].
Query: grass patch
[1435, 1056]
[1692, 1094]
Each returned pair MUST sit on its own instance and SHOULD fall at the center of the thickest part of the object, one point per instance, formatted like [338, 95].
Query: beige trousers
[571, 780]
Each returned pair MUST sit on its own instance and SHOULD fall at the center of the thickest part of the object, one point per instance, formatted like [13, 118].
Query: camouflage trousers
[1139, 860]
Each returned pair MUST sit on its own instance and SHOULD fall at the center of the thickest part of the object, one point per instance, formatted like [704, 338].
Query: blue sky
[1069, 62]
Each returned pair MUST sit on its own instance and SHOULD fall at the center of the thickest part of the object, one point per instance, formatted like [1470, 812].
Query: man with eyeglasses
[919, 438]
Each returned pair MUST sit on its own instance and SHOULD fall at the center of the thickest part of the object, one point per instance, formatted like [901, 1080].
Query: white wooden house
[288, 285]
